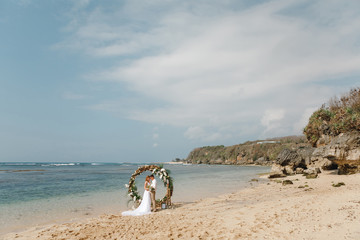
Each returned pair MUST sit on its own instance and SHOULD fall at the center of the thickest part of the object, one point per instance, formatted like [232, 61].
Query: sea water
[33, 194]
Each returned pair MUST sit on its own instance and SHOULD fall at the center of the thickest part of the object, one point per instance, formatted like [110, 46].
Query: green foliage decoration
[157, 170]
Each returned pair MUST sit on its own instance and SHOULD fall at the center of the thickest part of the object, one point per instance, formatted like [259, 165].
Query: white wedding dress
[143, 209]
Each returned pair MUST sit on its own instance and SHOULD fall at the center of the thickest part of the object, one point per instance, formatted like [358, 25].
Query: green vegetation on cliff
[254, 152]
[338, 116]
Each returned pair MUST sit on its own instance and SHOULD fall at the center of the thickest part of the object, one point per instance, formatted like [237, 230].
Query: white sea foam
[18, 164]
[60, 164]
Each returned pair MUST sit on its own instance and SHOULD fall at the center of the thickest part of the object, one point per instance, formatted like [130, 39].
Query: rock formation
[261, 152]
[334, 130]
[341, 152]
[288, 155]
[293, 161]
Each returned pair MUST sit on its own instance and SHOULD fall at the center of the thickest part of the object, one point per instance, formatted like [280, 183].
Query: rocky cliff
[334, 130]
[261, 152]
[341, 152]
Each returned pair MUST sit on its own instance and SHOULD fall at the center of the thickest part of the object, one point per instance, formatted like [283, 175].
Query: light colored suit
[152, 194]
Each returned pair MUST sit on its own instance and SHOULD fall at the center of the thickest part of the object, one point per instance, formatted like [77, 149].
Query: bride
[145, 206]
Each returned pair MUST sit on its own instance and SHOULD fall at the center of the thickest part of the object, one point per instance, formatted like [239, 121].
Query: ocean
[35, 194]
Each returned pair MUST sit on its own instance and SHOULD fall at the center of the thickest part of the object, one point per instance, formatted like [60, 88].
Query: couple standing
[148, 203]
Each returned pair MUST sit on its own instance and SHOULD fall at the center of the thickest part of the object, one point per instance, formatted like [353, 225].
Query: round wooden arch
[159, 171]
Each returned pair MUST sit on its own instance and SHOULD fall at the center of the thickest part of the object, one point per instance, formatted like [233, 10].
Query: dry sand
[266, 211]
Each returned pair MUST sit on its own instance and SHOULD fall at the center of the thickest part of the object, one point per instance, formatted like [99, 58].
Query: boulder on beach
[342, 152]
[292, 161]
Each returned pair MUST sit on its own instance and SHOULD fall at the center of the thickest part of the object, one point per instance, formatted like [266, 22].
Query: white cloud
[271, 118]
[194, 132]
[272, 115]
[215, 70]
[197, 132]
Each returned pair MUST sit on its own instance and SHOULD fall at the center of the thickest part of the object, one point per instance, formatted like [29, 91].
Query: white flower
[127, 185]
[134, 198]
[163, 170]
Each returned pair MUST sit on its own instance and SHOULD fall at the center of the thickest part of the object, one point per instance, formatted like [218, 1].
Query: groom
[152, 193]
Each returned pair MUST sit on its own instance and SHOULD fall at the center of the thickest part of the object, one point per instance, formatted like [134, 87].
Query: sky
[148, 81]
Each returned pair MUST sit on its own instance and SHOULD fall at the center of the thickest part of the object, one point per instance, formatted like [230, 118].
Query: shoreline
[208, 164]
[306, 209]
[192, 183]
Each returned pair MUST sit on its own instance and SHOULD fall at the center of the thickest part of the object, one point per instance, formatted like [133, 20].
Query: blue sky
[143, 81]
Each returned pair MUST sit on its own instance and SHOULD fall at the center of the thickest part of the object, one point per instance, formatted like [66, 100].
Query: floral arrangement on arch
[159, 171]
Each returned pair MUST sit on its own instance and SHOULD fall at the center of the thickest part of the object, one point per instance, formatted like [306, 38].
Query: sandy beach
[306, 209]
